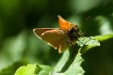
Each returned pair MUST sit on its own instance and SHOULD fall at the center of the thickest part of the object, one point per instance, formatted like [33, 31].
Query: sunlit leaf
[62, 61]
[32, 69]
[87, 43]
[26, 70]
[104, 37]
[75, 68]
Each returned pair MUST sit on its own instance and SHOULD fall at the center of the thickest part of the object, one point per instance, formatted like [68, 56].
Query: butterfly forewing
[64, 25]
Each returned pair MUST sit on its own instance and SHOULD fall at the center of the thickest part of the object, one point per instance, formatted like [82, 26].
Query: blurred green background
[19, 44]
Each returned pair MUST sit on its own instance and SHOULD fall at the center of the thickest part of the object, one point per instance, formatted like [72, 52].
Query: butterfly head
[73, 33]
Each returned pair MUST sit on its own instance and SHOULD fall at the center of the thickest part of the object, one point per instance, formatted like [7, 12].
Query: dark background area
[19, 17]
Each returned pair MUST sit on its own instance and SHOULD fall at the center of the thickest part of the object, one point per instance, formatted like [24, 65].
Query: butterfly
[59, 38]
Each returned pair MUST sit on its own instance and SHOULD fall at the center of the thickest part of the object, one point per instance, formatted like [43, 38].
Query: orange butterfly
[59, 38]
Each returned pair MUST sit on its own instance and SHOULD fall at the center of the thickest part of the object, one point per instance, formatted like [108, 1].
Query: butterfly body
[59, 38]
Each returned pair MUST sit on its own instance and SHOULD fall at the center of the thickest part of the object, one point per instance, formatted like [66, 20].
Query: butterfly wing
[39, 31]
[56, 38]
[64, 25]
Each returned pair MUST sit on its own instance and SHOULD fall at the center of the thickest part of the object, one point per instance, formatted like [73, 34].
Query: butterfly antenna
[83, 34]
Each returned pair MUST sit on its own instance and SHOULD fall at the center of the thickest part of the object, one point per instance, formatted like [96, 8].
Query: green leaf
[104, 37]
[44, 70]
[87, 43]
[33, 69]
[57, 74]
[90, 42]
[62, 61]
[26, 70]
[75, 68]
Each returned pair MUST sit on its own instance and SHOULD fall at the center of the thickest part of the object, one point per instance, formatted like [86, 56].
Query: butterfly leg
[73, 52]
[81, 42]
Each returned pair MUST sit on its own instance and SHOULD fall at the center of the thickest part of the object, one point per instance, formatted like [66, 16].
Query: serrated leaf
[75, 68]
[33, 69]
[92, 42]
[26, 70]
[87, 43]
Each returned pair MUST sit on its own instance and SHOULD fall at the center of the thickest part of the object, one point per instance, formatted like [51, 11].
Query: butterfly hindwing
[56, 38]
[39, 31]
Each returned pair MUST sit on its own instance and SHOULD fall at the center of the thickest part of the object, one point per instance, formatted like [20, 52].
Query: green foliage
[26, 70]
[74, 68]
[20, 49]
[33, 69]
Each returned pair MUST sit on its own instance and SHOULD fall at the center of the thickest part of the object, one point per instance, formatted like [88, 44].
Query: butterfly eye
[72, 31]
